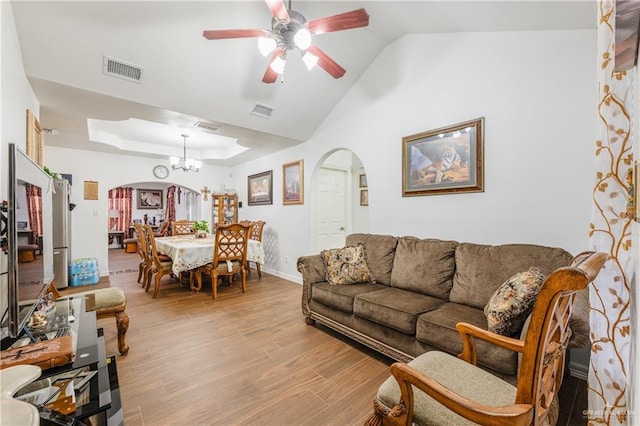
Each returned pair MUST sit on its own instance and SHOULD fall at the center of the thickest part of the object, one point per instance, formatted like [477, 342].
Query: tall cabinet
[224, 208]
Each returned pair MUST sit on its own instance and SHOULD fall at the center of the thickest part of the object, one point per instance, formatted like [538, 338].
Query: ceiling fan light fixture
[310, 60]
[302, 39]
[266, 45]
[278, 65]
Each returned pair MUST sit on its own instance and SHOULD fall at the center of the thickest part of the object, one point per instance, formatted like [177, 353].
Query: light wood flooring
[244, 359]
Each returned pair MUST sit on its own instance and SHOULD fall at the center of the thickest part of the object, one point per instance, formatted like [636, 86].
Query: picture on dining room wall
[445, 160]
[292, 183]
[150, 199]
[260, 188]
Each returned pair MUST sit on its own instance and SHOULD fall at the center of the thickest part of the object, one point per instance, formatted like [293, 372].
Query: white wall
[539, 107]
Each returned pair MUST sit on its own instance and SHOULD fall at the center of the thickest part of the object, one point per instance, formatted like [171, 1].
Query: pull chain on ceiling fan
[290, 30]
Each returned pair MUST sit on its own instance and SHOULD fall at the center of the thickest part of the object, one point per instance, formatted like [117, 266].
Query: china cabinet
[224, 208]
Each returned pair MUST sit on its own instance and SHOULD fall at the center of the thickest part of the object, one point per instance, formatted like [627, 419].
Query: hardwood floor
[245, 359]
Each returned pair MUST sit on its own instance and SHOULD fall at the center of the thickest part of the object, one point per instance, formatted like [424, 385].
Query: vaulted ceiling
[188, 79]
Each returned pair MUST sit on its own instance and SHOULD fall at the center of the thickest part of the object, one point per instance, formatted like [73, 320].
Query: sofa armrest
[469, 333]
[312, 269]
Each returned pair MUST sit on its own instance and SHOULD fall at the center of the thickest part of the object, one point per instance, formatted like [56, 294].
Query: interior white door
[332, 214]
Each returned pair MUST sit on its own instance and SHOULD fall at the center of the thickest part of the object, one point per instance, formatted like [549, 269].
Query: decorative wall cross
[205, 191]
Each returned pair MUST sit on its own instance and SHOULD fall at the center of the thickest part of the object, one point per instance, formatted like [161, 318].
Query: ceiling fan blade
[222, 34]
[278, 9]
[326, 63]
[344, 21]
[270, 76]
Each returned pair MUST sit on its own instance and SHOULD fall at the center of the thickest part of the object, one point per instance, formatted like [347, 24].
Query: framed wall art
[293, 183]
[35, 139]
[260, 188]
[364, 197]
[363, 181]
[444, 161]
[149, 199]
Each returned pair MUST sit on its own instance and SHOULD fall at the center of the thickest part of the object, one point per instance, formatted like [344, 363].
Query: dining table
[188, 252]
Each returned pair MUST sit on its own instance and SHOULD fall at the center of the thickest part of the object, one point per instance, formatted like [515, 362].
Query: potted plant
[201, 228]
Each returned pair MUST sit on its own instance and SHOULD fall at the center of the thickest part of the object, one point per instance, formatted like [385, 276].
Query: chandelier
[188, 164]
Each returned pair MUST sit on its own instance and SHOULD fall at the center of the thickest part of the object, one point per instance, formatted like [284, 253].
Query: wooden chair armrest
[405, 375]
[469, 333]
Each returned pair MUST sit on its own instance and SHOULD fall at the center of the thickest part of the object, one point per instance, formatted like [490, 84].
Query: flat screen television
[26, 281]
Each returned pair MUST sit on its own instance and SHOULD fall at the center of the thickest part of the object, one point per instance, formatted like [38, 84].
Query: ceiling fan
[290, 30]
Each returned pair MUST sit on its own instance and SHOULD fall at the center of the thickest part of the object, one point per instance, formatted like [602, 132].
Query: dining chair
[182, 227]
[437, 388]
[255, 233]
[163, 230]
[160, 263]
[141, 249]
[229, 256]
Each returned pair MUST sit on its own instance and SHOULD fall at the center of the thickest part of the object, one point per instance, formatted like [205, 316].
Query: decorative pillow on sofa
[347, 265]
[511, 304]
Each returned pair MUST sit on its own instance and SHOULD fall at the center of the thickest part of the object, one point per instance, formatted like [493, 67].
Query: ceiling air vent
[121, 69]
[262, 111]
[207, 126]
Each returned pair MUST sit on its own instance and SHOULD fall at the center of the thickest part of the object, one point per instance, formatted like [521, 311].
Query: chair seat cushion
[459, 376]
[222, 266]
[108, 297]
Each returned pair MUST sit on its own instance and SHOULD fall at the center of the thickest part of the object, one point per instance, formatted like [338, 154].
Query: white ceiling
[187, 78]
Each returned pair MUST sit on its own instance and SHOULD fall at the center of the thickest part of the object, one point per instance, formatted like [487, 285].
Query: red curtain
[121, 199]
[170, 215]
[34, 209]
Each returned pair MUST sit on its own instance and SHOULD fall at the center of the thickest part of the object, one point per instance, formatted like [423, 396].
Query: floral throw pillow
[347, 265]
[511, 304]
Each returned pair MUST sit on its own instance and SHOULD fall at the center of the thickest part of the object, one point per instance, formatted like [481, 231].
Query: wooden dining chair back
[163, 231]
[182, 227]
[255, 233]
[145, 262]
[440, 389]
[229, 256]
[161, 264]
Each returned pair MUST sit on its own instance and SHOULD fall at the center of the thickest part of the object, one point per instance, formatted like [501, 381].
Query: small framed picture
[364, 197]
[150, 199]
[260, 188]
[293, 183]
[363, 181]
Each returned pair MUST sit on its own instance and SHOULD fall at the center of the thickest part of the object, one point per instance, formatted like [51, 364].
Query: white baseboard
[293, 278]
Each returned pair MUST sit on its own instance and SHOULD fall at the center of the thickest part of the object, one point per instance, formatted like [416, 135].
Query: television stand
[98, 400]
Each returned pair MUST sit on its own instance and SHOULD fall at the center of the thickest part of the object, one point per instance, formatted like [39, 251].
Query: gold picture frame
[364, 197]
[447, 160]
[293, 183]
[35, 139]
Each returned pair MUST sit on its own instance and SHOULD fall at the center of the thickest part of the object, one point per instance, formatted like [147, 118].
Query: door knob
[342, 228]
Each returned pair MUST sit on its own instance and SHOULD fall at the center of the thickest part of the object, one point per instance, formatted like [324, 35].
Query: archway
[339, 199]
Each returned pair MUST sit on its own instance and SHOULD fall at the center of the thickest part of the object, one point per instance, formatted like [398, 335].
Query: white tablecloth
[189, 252]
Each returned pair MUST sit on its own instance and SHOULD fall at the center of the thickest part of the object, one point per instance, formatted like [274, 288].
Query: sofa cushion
[341, 296]
[511, 304]
[347, 265]
[424, 266]
[380, 253]
[437, 328]
[481, 269]
[394, 307]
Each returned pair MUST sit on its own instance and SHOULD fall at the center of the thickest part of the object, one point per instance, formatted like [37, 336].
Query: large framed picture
[260, 188]
[293, 183]
[444, 161]
[150, 199]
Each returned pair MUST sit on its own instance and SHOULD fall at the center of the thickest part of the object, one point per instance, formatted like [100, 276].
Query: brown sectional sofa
[423, 288]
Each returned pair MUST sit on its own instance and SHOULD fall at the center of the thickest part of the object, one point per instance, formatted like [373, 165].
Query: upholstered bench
[130, 245]
[27, 252]
[111, 301]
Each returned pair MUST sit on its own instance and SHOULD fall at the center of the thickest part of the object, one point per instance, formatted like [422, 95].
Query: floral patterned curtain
[610, 232]
[34, 209]
[121, 199]
[170, 216]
